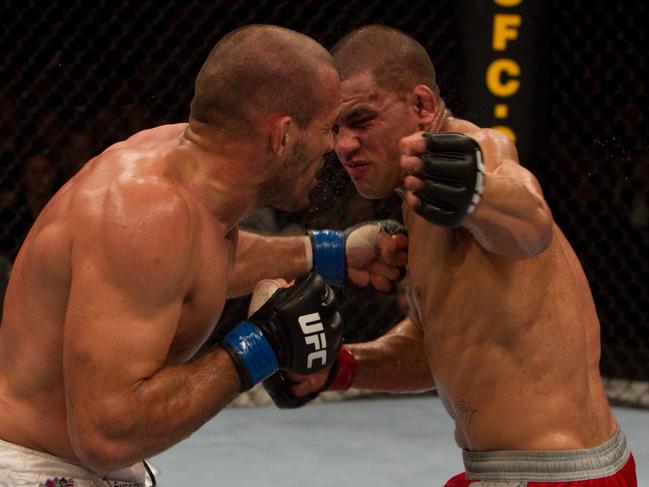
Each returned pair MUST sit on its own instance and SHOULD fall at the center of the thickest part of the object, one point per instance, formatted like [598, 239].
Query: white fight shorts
[22, 467]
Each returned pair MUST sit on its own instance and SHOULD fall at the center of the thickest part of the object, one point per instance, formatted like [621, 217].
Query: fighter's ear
[425, 104]
[280, 134]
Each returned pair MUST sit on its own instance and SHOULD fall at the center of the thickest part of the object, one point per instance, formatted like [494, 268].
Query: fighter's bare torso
[111, 191]
[507, 340]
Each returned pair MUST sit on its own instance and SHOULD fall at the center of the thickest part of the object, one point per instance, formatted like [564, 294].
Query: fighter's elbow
[538, 235]
[535, 247]
[100, 454]
[99, 449]
[517, 239]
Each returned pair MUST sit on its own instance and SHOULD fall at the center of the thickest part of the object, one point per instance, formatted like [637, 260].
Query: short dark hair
[259, 70]
[396, 60]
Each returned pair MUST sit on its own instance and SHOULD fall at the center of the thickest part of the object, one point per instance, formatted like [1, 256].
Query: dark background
[77, 78]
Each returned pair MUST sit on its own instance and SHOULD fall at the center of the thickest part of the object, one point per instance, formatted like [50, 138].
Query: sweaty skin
[126, 270]
[126, 229]
[122, 278]
[512, 344]
[502, 322]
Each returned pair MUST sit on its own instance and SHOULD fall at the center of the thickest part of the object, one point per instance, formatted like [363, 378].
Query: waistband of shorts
[549, 466]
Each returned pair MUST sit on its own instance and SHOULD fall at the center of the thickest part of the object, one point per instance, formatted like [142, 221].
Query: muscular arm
[395, 362]
[370, 260]
[132, 262]
[264, 257]
[513, 219]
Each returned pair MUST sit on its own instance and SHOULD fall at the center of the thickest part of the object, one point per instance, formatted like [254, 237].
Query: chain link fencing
[76, 78]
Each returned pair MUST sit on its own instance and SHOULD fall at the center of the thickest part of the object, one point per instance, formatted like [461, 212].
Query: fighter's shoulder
[148, 196]
[151, 136]
[498, 149]
[482, 135]
[138, 231]
[492, 139]
[132, 208]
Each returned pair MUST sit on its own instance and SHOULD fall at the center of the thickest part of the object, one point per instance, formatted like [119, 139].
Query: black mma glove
[341, 376]
[454, 176]
[278, 387]
[297, 329]
[329, 247]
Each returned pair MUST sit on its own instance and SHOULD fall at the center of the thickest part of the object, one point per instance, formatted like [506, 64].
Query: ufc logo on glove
[286, 332]
[313, 330]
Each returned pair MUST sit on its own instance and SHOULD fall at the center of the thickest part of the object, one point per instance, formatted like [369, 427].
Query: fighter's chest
[436, 257]
[203, 306]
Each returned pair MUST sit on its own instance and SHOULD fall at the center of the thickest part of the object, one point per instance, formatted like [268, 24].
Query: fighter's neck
[226, 182]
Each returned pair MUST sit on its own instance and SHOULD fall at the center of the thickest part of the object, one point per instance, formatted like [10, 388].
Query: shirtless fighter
[126, 271]
[503, 323]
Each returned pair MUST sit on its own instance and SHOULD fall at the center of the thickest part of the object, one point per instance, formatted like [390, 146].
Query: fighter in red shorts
[502, 320]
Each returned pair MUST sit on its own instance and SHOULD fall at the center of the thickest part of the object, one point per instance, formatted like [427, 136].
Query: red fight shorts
[608, 465]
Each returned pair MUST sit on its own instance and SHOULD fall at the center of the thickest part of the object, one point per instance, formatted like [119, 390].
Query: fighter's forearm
[265, 257]
[511, 220]
[395, 362]
[158, 413]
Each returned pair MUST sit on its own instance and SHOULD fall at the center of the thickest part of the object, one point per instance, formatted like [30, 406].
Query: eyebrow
[356, 112]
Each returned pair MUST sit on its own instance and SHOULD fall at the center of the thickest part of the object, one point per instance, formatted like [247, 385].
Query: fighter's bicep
[110, 346]
[112, 333]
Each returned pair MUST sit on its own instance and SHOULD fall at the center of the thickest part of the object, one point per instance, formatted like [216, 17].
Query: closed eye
[358, 117]
[361, 122]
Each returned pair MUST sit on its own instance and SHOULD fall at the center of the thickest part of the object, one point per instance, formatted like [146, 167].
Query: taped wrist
[343, 376]
[251, 353]
[329, 259]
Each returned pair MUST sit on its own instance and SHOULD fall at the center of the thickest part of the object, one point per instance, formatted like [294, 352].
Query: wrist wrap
[252, 354]
[329, 259]
[343, 376]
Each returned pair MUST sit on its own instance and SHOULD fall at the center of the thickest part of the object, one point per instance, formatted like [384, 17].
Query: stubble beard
[283, 190]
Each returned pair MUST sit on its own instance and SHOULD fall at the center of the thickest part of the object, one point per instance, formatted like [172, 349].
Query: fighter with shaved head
[502, 321]
[125, 273]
